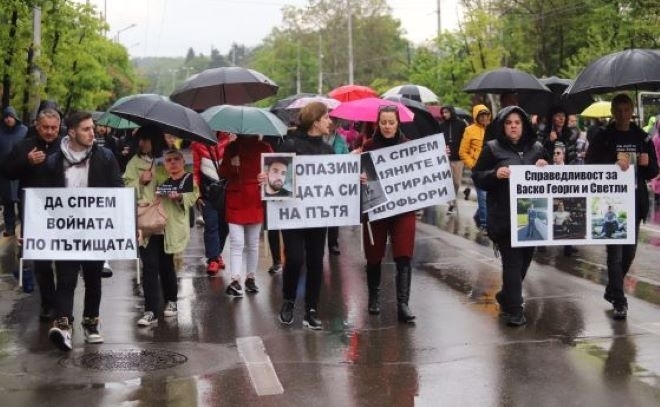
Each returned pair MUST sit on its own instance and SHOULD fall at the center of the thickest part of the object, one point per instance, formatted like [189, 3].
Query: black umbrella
[505, 80]
[540, 103]
[637, 69]
[423, 124]
[170, 117]
[288, 116]
[227, 85]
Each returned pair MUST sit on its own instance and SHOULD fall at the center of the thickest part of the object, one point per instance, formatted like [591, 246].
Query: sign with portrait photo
[327, 194]
[281, 179]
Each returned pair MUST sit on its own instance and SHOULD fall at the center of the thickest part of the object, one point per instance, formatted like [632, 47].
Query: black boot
[373, 283]
[403, 277]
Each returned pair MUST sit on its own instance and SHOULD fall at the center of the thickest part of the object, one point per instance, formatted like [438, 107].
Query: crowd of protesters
[52, 154]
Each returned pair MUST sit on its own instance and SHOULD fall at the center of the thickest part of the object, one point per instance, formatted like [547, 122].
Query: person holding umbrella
[400, 228]
[624, 143]
[305, 245]
[515, 144]
[157, 250]
[243, 208]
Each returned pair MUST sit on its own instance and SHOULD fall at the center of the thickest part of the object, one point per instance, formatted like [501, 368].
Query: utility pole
[320, 90]
[35, 50]
[350, 42]
[439, 20]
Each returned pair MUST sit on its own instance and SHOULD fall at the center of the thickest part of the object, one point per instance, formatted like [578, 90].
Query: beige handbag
[151, 217]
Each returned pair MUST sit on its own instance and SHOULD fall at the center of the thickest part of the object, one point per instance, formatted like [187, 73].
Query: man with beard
[277, 171]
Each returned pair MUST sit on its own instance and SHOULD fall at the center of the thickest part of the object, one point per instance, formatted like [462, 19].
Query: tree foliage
[314, 39]
[78, 67]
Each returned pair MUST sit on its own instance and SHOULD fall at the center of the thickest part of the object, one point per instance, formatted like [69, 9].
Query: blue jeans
[216, 231]
[481, 207]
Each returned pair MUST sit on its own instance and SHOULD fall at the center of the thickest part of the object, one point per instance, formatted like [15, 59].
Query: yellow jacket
[473, 139]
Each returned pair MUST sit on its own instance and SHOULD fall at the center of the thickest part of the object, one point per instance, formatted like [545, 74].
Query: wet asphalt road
[458, 354]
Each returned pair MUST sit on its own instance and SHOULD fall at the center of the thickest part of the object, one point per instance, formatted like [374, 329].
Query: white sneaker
[146, 319]
[91, 330]
[106, 272]
[60, 334]
[170, 309]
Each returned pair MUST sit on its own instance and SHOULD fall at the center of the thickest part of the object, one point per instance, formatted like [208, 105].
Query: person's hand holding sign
[623, 161]
[503, 173]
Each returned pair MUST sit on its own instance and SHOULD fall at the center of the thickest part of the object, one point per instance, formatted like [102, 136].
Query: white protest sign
[327, 194]
[79, 224]
[571, 205]
[415, 175]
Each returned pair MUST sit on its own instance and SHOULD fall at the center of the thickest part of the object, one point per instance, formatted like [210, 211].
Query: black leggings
[157, 264]
[304, 246]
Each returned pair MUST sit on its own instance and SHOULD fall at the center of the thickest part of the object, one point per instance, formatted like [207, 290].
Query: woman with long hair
[305, 246]
[400, 228]
[243, 208]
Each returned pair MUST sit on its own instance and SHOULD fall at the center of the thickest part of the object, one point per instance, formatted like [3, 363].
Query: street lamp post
[122, 30]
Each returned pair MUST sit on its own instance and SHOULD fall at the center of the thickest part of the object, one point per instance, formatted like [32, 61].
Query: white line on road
[261, 370]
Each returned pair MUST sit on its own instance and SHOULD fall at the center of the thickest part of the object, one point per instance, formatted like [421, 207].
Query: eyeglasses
[387, 108]
[558, 153]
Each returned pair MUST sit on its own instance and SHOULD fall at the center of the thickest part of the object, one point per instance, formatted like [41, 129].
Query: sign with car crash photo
[415, 175]
[571, 205]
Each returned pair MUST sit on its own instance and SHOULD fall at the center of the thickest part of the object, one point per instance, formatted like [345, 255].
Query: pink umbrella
[366, 110]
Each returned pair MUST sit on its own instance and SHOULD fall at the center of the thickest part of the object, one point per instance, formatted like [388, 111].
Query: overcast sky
[170, 27]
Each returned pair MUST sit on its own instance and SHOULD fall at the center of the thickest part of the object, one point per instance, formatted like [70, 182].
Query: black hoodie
[453, 130]
[497, 153]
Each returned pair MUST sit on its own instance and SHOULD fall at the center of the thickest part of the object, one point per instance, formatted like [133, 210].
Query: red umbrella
[347, 93]
[366, 110]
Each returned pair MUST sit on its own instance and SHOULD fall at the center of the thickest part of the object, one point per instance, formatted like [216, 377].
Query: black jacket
[16, 166]
[453, 130]
[103, 169]
[502, 153]
[604, 149]
[302, 144]
[567, 136]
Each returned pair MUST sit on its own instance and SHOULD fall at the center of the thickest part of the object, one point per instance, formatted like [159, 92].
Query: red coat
[401, 228]
[202, 160]
[243, 196]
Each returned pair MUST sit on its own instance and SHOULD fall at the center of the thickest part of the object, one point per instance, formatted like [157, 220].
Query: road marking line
[261, 370]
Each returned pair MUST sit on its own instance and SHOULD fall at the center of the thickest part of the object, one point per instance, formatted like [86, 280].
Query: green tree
[314, 38]
[79, 68]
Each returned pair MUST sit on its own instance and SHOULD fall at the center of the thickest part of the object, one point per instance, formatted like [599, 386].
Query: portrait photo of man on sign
[280, 182]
